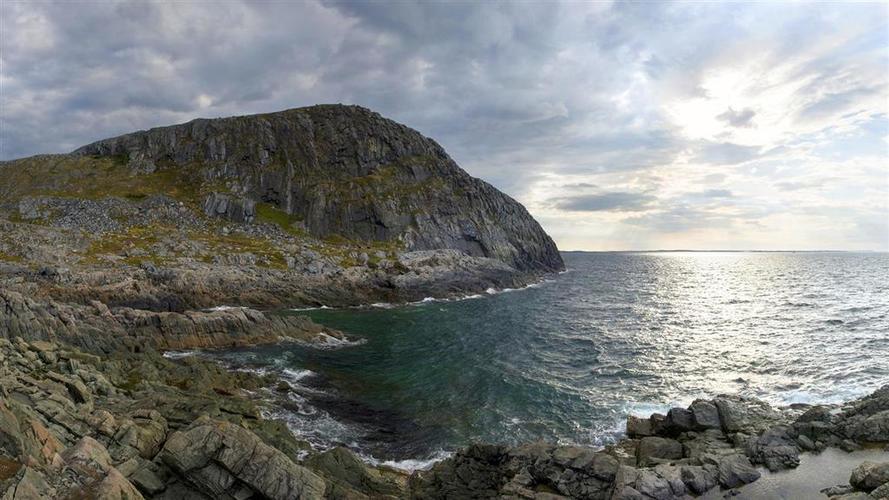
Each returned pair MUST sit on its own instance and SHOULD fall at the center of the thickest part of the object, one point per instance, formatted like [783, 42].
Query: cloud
[646, 103]
[725, 153]
[742, 118]
[614, 201]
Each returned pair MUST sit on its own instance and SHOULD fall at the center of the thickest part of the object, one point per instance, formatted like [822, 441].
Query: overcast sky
[619, 125]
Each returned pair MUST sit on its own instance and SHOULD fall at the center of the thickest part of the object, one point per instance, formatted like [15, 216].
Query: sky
[619, 125]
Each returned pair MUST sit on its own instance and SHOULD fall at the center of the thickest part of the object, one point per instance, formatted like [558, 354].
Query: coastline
[63, 408]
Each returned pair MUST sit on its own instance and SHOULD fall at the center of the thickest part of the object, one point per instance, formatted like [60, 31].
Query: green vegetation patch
[270, 214]
[133, 238]
[94, 178]
[267, 253]
[10, 258]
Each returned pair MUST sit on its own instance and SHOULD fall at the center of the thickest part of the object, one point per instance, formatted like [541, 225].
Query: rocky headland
[127, 247]
[327, 205]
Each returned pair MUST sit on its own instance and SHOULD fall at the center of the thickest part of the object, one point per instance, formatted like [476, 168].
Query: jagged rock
[347, 475]
[116, 487]
[856, 495]
[29, 484]
[639, 427]
[870, 475]
[654, 449]
[132, 329]
[881, 492]
[835, 491]
[233, 209]
[220, 457]
[144, 434]
[678, 420]
[705, 415]
[736, 470]
[698, 478]
[746, 415]
[775, 449]
[89, 454]
[79, 392]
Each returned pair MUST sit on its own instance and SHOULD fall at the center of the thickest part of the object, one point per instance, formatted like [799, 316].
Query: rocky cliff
[342, 171]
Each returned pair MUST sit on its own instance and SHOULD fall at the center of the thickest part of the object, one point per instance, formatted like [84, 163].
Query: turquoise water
[567, 359]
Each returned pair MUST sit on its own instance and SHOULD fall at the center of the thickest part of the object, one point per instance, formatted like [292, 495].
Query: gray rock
[705, 415]
[736, 470]
[881, 492]
[652, 485]
[216, 456]
[679, 420]
[775, 449]
[747, 415]
[870, 475]
[835, 491]
[698, 478]
[653, 450]
[639, 427]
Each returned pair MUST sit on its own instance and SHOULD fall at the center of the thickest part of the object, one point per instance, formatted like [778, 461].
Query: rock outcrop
[349, 172]
[99, 329]
[136, 425]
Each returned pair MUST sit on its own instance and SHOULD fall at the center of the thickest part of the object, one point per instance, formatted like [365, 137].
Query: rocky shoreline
[137, 425]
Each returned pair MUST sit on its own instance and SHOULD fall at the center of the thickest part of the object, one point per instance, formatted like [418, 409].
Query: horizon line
[685, 250]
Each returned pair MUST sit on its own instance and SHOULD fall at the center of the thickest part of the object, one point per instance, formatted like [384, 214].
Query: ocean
[565, 360]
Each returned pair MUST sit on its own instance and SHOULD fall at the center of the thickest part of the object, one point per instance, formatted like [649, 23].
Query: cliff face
[342, 171]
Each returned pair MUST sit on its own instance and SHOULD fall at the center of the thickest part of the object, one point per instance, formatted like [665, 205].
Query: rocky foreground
[137, 425]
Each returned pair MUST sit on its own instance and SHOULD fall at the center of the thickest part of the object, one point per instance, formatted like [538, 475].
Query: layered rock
[136, 425]
[346, 171]
[98, 328]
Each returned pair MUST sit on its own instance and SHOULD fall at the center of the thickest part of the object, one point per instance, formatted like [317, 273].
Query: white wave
[179, 354]
[410, 464]
[325, 341]
[296, 375]
[317, 308]
[223, 308]
[382, 305]
[255, 371]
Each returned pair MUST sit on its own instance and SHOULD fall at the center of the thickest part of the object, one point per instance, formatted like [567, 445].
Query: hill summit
[342, 171]
[328, 204]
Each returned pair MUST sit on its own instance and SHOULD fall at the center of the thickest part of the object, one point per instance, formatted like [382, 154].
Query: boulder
[89, 455]
[653, 450]
[775, 449]
[881, 492]
[746, 415]
[699, 478]
[705, 415]
[735, 470]
[346, 473]
[679, 420]
[639, 427]
[116, 487]
[219, 458]
[870, 475]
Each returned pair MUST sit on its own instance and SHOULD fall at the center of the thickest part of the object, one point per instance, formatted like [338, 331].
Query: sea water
[567, 359]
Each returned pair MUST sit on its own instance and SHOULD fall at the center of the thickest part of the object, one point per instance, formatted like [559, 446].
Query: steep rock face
[346, 171]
